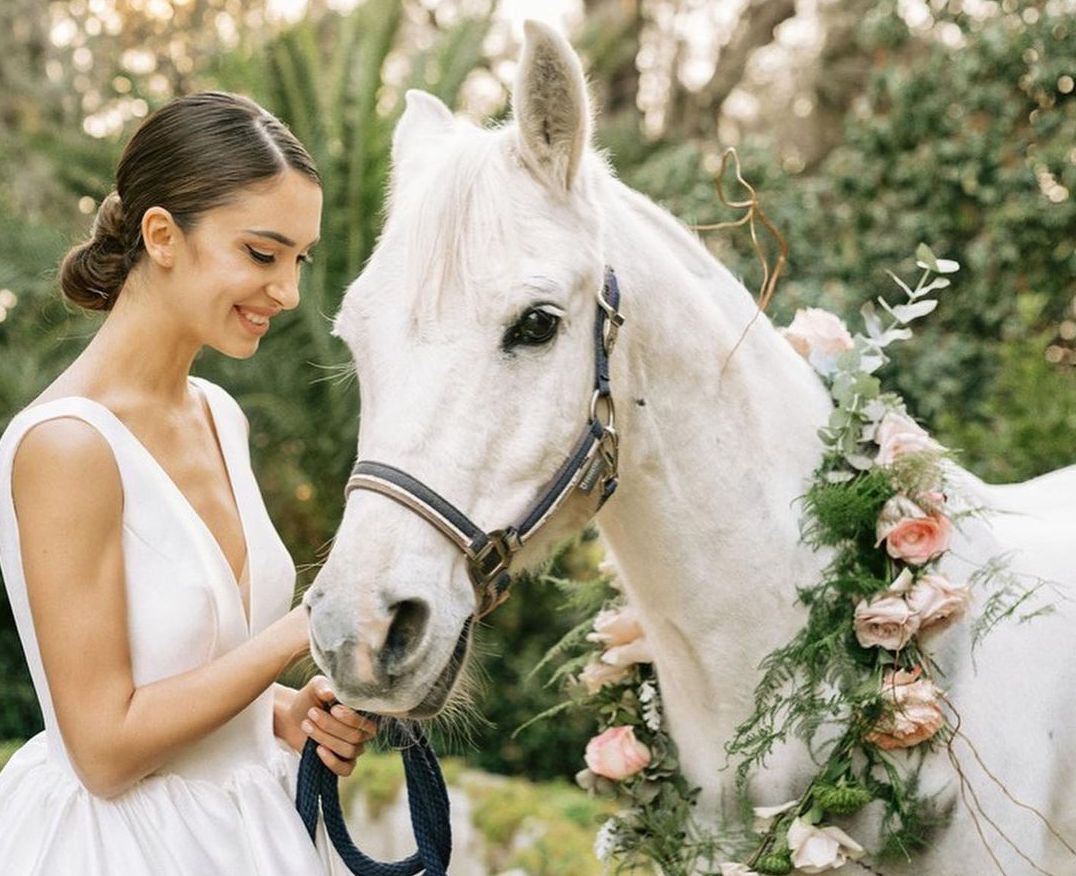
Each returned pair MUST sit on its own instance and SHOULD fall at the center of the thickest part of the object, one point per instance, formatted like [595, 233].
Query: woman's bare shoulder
[65, 464]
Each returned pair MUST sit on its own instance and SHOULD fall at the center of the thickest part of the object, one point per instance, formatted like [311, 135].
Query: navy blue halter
[591, 468]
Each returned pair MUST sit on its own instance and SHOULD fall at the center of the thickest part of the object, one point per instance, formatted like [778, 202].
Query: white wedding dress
[225, 804]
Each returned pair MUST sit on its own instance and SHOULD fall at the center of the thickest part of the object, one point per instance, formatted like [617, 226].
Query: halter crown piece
[591, 468]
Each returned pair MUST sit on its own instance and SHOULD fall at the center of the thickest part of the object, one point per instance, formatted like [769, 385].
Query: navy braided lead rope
[427, 798]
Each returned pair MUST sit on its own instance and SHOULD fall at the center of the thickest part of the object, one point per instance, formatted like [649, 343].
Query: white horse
[471, 329]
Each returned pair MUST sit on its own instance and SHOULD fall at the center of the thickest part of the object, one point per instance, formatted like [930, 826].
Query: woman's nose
[285, 293]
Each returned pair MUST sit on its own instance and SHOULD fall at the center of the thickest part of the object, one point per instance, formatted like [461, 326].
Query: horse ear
[550, 105]
[424, 120]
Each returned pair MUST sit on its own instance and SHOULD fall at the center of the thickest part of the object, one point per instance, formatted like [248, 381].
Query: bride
[150, 589]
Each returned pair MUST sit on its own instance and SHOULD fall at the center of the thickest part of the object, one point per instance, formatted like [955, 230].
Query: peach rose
[817, 330]
[938, 602]
[616, 754]
[898, 435]
[914, 713]
[597, 674]
[817, 849]
[917, 540]
[630, 654]
[616, 626]
[885, 622]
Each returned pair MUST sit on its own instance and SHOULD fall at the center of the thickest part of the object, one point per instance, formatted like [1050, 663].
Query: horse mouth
[439, 691]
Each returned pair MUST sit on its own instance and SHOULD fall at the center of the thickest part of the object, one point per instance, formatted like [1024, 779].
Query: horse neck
[714, 452]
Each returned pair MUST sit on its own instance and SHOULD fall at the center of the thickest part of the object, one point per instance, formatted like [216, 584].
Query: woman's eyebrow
[277, 236]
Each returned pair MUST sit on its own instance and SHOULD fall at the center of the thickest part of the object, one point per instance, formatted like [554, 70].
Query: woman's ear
[160, 236]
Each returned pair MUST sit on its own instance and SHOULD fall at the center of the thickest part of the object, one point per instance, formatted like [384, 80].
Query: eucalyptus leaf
[871, 363]
[933, 285]
[926, 258]
[897, 334]
[867, 387]
[871, 320]
[839, 477]
[907, 312]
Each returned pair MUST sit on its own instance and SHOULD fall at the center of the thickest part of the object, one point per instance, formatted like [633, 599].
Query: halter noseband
[590, 468]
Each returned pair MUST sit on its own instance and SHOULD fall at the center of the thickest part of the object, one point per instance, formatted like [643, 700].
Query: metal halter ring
[610, 410]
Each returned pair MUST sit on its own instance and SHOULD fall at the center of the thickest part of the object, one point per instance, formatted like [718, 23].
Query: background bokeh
[867, 126]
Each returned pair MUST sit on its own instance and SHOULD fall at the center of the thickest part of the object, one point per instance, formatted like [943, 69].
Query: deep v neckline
[247, 610]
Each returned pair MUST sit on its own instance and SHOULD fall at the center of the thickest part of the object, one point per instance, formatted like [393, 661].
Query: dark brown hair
[193, 154]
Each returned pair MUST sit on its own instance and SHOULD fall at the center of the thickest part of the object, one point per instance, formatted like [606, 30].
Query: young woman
[150, 589]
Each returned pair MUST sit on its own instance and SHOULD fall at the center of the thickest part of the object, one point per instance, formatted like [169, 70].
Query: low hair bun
[93, 272]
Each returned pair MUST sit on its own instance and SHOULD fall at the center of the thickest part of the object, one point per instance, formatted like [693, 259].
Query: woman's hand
[341, 733]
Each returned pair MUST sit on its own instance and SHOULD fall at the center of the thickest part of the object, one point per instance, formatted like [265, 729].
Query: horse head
[471, 329]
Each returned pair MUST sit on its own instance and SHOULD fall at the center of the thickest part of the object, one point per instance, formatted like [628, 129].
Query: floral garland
[879, 504]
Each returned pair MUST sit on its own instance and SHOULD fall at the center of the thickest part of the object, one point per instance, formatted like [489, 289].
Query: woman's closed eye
[267, 258]
[262, 258]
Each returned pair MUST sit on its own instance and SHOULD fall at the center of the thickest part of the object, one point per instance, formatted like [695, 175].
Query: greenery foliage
[971, 148]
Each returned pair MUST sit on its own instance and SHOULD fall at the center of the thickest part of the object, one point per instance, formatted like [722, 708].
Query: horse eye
[534, 328]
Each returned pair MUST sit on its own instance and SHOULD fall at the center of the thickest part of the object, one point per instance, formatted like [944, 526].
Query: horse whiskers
[460, 717]
[340, 373]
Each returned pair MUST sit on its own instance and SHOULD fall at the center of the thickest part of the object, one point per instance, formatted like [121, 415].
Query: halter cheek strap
[591, 468]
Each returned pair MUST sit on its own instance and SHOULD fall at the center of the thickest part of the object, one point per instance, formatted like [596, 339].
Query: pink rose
[817, 330]
[914, 713]
[616, 754]
[597, 674]
[938, 602]
[616, 626]
[917, 540]
[886, 622]
[898, 436]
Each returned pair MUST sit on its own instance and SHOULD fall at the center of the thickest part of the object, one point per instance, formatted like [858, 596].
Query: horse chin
[441, 689]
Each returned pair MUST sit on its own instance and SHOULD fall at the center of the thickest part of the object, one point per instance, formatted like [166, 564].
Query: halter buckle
[494, 556]
[614, 319]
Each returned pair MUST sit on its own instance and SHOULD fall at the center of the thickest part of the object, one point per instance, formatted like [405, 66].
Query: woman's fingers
[338, 765]
[351, 719]
[341, 729]
[345, 748]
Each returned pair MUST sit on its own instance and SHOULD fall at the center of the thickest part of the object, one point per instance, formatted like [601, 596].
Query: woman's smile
[254, 320]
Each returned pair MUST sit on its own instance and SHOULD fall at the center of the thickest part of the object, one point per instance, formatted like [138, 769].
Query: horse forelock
[456, 226]
[452, 221]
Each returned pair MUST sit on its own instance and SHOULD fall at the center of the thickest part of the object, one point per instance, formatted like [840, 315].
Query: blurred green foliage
[970, 150]
[545, 829]
[960, 148]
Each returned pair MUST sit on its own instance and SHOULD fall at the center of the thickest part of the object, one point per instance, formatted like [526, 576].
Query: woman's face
[239, 265]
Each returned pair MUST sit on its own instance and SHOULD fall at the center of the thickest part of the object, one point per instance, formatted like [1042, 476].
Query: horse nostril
[405, 633]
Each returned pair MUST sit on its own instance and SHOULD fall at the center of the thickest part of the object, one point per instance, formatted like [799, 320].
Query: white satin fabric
[224, 805]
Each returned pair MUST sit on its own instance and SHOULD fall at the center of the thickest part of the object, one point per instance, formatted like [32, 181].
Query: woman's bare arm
[69, 501]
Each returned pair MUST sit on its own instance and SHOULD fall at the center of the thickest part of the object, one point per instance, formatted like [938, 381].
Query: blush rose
[616, 754]
[914, 710]
[938, 602]
[898, 435]
[885, 622]
[816, 330]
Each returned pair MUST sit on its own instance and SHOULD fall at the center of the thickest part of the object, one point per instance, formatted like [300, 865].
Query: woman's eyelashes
[267, 258]
[262, 258]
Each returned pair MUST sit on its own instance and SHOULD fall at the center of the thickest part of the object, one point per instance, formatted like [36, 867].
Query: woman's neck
[138, 355]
